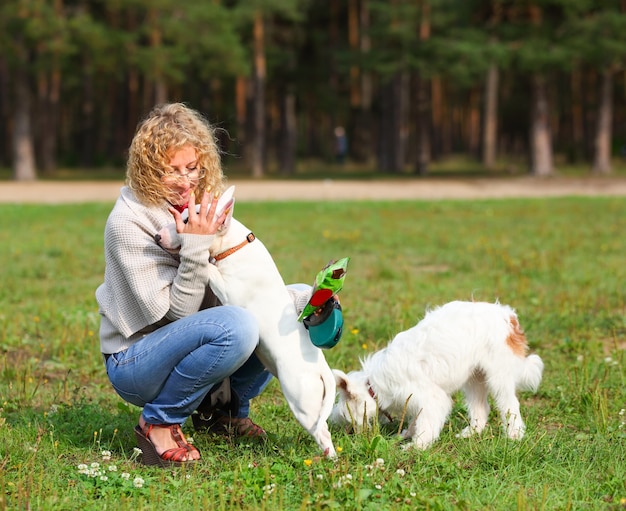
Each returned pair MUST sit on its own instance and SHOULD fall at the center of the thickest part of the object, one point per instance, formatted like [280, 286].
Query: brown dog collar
[249, 239]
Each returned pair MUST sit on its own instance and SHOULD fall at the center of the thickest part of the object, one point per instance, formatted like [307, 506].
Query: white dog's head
[355, 406]
[168, 237]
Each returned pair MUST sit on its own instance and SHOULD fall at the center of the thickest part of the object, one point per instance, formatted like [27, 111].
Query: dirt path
[46, 192]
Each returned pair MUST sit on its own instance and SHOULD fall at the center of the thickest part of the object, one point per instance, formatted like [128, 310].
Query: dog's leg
[217, 284]
[433, 407]
[508, 406]
[323, 438]
[476, 399]
[307, 396]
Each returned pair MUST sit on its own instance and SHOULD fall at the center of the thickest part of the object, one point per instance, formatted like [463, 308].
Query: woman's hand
[202, 222]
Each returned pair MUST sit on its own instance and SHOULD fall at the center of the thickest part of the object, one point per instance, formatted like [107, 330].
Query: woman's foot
[164, 444]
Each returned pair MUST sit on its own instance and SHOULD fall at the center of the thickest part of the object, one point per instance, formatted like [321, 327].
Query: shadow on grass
[84, 425]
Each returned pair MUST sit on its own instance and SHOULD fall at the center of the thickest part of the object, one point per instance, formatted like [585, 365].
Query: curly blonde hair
[165, 130]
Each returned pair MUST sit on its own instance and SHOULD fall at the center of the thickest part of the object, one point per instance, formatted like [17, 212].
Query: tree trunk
[288, 136]
[5, 114]
[391, 149]
[602, 156]
[490, 117]
[160, 91]
[473, 123]
[361, 144]
[385, 138]
[422, 122]
[259, 70]
[442, 135]
[22, 140]
[87, 122]
[423, 102]
[241, 94]
[156, 43]
[578, 140]
[540, 138]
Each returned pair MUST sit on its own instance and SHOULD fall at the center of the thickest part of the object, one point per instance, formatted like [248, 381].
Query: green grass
[559, 262]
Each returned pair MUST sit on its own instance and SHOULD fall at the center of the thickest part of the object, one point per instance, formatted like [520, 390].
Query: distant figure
[341, 145]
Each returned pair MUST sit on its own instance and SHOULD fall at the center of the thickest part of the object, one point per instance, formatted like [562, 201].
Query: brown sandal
[227, 426]
[172, 457]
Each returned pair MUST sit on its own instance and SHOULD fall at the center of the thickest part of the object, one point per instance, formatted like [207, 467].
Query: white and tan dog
[244, 274]
[475, 347]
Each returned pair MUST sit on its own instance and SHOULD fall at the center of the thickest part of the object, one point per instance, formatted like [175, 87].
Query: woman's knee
[244, 326]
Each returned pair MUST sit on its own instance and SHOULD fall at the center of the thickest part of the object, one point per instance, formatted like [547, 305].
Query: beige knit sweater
[144, 286]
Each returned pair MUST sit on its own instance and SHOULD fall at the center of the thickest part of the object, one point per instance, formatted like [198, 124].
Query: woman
[165, 340]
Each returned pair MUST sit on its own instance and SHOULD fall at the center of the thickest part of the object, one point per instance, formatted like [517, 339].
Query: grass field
[66, 439]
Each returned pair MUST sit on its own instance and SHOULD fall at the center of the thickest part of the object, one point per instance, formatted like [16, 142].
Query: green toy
[328, 282]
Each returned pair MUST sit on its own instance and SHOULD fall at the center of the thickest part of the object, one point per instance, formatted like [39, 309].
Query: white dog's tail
[532, 370]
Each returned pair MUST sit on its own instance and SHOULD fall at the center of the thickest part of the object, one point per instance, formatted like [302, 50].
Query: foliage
[93, 68]
[66, 439]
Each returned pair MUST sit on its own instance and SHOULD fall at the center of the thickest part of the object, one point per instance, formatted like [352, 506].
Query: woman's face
[182, 176]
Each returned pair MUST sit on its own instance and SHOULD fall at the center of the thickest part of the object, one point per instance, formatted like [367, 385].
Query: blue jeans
[169, 371]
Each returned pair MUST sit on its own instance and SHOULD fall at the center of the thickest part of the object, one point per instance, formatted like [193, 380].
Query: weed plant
[66, 439]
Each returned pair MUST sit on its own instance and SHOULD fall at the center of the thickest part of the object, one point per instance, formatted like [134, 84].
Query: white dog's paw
[466, 433]
[516, 433]
[515, 427]
[417, 443]
[470, 431]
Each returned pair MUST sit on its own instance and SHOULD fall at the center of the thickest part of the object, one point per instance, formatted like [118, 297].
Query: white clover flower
[106, 455]
[104, 478]
[412, 494]
[319, 477]
[400, 472]
[269, 488]
[125, 475]
[138, 482]
[378, 487]
[379, 462]
[343, 480]
[112, 468]
[137, 451]
[95, 464]
[82, 467]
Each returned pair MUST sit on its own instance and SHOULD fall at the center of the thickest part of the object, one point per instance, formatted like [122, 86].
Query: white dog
[245, 274]
[477, 347]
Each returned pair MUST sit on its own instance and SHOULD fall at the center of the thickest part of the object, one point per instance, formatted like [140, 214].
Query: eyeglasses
[193, 176]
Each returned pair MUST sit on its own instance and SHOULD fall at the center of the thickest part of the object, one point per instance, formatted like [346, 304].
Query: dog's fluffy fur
[477, 347]
[250, 279]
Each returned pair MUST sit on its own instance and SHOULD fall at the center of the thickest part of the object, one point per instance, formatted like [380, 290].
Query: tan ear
[343, 384]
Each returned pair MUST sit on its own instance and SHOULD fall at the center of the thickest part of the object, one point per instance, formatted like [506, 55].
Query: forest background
[517, 85]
